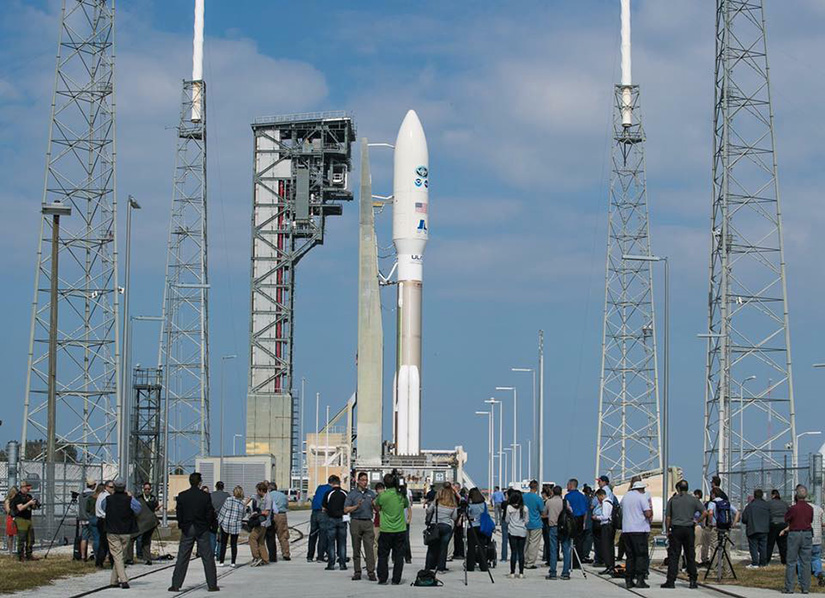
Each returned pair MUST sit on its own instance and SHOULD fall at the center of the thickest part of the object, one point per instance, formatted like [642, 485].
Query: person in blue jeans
[318, 525]
[556, 509]
[333, 505]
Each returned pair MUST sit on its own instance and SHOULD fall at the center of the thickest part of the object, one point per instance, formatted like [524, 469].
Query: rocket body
[410, 232]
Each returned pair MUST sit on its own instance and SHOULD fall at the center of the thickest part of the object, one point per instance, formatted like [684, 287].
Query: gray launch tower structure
[77, 387]
[301, 168]
[628, 441]
[752, 425]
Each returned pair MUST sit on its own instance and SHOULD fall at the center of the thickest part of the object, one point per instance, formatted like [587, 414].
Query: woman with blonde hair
[442, 513]
[229, 519]
[11, 528]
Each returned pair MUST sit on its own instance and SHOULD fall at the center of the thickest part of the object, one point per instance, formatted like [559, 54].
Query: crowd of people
[539, 527]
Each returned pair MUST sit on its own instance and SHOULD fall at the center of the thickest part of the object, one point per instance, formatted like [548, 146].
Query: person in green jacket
[391, 504]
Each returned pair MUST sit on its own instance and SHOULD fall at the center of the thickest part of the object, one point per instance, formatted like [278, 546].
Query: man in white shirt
[637, 512]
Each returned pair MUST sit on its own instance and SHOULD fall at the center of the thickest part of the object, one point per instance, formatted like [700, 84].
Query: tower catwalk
[746, 425]
[80, 174]
[184, 342]
[628, 431]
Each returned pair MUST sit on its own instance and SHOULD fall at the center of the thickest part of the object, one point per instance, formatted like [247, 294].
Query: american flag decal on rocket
[421, 208]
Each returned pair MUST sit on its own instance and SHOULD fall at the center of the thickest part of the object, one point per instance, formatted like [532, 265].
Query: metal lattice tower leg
[628, 430]
[301, 167]
[80, 173]
[184, 343]
[748, 341]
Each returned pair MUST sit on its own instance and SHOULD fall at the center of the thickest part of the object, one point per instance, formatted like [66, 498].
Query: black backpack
[616, 517]
[427, 579]
[566, 523]
[722, 514]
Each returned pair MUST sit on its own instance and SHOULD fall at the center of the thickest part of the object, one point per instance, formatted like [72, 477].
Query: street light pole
[317, 432]
[301, 452]
[489, 415]
[224, 359]
[541, 407]
[666, 392]
[515, 421]
[55, 210]
[125, 401]
[493, 402]
[531, 371]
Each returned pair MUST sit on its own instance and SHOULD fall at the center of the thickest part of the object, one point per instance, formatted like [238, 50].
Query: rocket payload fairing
[410, 231]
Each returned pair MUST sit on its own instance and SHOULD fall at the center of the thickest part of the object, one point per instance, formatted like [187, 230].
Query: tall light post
[493, 402]
[666, 391]
[515, 421]
[224, 359]
[301, 443]
[722, 440]
[55, 210]
[507, 475]
[317, 432]
[125, 355]
[489, 415]
[532, 372]
[541, 407]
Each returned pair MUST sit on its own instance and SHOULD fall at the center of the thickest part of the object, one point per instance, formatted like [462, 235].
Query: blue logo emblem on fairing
[417, 182]
[422, 171]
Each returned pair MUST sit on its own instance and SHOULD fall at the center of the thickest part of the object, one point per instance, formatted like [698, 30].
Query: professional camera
[75, 495]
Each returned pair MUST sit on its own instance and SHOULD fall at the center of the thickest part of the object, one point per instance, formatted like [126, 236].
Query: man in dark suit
[195, 515]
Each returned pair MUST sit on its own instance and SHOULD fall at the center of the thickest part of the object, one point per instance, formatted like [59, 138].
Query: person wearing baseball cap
[22, 506]
[637, 513]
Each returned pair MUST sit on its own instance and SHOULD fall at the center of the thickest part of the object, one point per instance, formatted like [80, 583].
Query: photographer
[476, 541]
[391, 504]
[22, 506]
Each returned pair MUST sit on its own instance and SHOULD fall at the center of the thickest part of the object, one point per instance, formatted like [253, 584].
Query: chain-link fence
[743, 483]
[56, 518]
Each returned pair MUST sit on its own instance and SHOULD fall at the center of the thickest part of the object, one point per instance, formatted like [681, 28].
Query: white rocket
[410, 231]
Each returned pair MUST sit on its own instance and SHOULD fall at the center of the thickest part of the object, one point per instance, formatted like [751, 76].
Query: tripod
[479, 556]
[578, 558]
[59, 525]
[722, 541]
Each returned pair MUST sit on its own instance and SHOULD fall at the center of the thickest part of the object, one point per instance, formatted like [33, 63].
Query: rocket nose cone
[411, 129]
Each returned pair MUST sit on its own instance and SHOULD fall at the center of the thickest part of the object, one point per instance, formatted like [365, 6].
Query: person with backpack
[606, 532]
[680, 517]
[259, 522]
[562, 525]
[722, 516]
[333, 505]
[516, 517]
[636, 515]
[477, 541]
[442, 514]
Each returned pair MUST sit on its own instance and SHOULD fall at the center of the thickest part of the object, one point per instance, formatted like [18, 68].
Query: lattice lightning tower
[184, 343]
[628, 430]
[80, 173]
[746, 425]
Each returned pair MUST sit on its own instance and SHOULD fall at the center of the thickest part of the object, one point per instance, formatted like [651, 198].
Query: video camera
[395, 480]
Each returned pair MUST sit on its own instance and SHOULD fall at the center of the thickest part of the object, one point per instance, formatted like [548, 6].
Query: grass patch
[771, 577]
[19, 576]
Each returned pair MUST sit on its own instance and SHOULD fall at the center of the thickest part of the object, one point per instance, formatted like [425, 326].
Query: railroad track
[294, 543]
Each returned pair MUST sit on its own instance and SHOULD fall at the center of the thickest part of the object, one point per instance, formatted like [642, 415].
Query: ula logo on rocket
[422, 171]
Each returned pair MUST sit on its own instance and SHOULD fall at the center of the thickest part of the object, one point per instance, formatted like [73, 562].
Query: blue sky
[515, 99]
